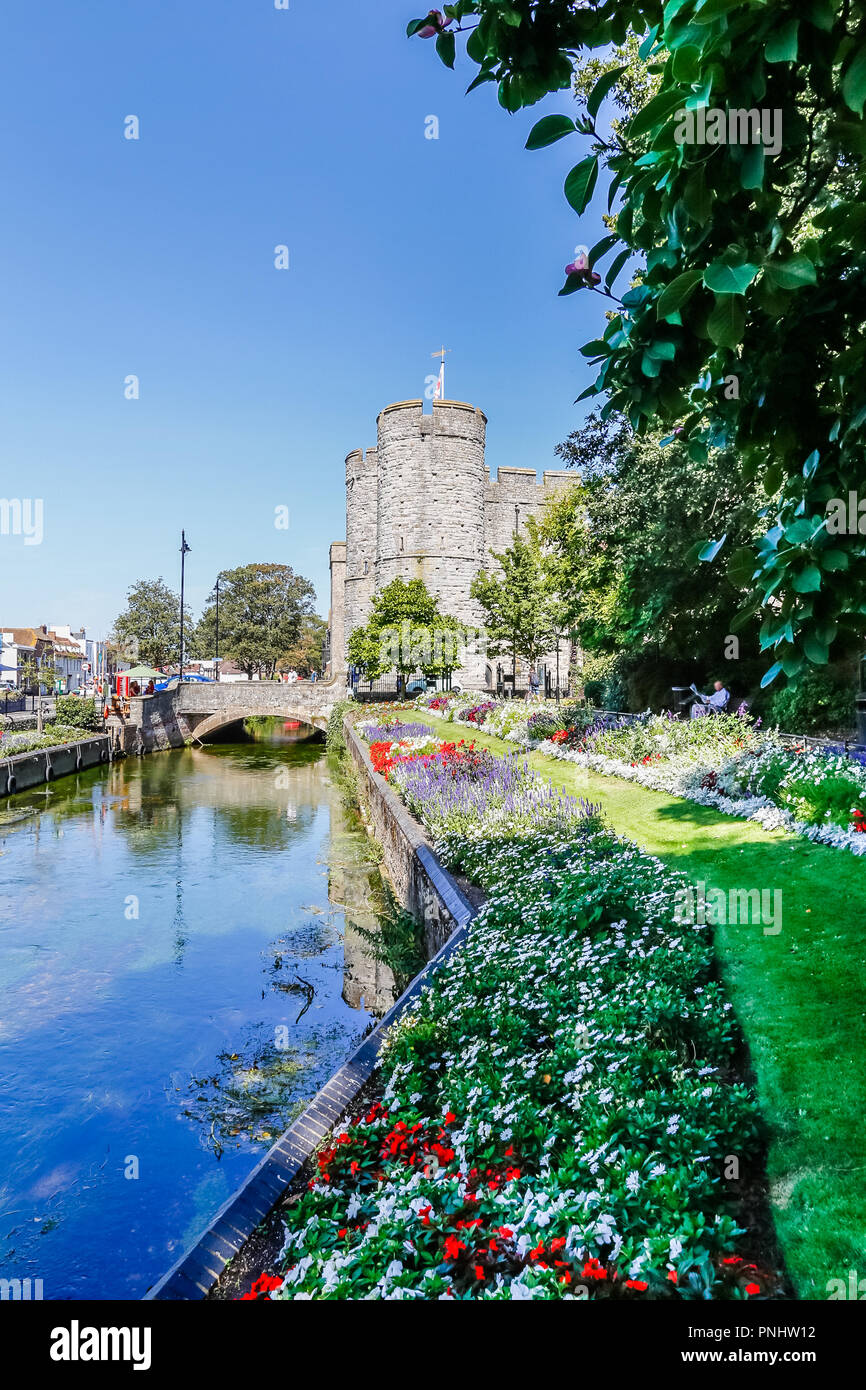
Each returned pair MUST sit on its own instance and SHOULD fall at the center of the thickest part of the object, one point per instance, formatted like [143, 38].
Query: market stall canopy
[141, 673]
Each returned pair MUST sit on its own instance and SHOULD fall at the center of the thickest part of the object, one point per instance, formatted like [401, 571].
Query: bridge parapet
[172, 718]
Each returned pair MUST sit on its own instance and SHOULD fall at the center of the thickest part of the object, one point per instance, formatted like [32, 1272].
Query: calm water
[180, 969]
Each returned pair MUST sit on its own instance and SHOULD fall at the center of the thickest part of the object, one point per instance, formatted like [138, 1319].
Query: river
[185, 957]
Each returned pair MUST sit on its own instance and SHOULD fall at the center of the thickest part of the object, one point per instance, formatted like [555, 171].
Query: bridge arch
[212, 723]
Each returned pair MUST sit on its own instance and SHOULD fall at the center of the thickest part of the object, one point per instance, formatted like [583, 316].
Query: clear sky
[155, 257]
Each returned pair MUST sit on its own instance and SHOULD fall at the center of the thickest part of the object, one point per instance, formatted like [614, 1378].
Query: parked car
[174, 680]
[419, 685]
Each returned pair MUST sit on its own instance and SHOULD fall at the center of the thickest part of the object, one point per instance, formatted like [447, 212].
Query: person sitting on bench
[711, 704]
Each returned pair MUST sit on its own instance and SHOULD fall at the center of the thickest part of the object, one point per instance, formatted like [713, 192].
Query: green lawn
[800, 997]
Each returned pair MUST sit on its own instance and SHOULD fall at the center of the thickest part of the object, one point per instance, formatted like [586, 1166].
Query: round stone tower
[361, 505]
[431, 482]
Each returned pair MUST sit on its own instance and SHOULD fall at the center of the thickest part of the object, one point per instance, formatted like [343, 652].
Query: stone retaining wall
[25, 770]
[421, 884]
[408, 854]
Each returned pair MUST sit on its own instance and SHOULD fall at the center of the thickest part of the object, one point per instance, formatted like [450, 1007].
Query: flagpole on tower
[440, 385]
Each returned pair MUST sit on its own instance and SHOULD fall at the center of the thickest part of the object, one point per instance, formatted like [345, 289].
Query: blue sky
[155, 257]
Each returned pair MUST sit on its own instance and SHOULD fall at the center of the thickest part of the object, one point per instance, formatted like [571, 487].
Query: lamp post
[217, 637]
[184, 551]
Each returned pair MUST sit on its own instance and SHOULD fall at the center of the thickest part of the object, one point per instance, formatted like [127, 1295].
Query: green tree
[621, 541]
[148, 630]
[522, 612]
[406, 632]
[39, 675]
[747, 331]
[262, 607]
[305, 653]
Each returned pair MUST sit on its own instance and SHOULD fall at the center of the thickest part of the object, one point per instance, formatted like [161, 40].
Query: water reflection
[181, 967]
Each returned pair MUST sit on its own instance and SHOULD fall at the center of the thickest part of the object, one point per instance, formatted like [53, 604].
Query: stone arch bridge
[194, 710]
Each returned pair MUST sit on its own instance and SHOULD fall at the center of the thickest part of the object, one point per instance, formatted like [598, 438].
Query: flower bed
[553, 1121]
[727, 762]
[28, 741]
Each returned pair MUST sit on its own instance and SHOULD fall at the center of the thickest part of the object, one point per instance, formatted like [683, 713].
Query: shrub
[818, 702]
[334, 740]
[74, 713]
[603, 682]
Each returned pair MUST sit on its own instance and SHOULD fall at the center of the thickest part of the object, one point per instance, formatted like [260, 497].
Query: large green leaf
[548, 130]
[808, 581]
[729, 279]
[711, 549]
[726, 322]
[686, 63]
[815, 650]
[602, 247]
[674, 295]
[601, 89]
[654, 114]
[854, 82]
[446, 47]
[711, 10]
[580, 183]
[752, 167]
[769, 676]
[616, 266]
[792, 273]
[781, 47]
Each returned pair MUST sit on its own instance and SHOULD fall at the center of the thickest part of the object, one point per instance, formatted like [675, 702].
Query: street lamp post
[217, 637]
[184, 551]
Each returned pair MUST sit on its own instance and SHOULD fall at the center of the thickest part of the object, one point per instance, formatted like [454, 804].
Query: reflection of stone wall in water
[367, 981]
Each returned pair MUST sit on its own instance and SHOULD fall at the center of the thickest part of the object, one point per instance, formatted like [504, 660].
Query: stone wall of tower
[337, 615]
[422, 505]
[361, 485]
[431, 500]
[515, 495]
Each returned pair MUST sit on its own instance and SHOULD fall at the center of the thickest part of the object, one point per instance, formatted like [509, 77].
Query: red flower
[453, 1246]
[479, 1271]
[261, 1287]
[594, 1270]
[753, 1288]
[636, 1284]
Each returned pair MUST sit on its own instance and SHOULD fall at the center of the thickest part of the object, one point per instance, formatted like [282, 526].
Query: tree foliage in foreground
[754, 260]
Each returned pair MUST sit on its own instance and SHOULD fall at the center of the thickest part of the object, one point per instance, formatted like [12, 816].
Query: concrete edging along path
[420, 882]
[22, 771]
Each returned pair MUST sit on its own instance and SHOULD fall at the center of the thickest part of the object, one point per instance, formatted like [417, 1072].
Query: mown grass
[800, 997]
